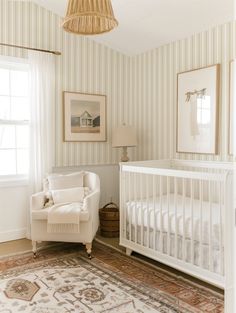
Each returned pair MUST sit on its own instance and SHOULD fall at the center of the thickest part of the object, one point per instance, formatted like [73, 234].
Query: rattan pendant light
[89, 17]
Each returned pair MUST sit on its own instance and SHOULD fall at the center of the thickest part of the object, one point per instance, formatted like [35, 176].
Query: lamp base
[124, 157]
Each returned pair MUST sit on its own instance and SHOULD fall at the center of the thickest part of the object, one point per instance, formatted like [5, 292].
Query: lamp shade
[124, 136]
[89, 17]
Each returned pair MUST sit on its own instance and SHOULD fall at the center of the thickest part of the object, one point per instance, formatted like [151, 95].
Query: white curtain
[42, 120]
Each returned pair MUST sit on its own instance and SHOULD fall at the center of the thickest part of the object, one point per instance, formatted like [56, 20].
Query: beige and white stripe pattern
[141, 90]
[85, 66]
[154, 95]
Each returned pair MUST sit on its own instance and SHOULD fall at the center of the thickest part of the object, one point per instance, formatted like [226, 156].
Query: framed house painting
[84, 117]
[232, 109]
[197, 110]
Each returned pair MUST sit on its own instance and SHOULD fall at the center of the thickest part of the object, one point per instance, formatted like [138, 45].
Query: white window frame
[18, 179]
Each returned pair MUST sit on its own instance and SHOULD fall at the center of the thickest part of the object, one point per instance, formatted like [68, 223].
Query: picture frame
[232, 109]
[84, 117]
[197, 110]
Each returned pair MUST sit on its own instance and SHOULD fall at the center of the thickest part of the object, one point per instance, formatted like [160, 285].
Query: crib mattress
[185, 221]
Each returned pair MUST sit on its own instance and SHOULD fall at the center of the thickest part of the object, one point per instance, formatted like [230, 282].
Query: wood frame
[195, 78]
[84, 117]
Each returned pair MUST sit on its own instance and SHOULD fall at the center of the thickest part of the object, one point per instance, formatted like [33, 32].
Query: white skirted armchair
[67, 210]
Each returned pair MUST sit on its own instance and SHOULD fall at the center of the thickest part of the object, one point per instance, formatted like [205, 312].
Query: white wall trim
[13, 235]
[64, 169]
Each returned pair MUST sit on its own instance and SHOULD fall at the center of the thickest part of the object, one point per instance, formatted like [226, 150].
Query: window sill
[13, 182]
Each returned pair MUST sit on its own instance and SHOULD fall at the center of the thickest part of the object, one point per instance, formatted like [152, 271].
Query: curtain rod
[28, 48]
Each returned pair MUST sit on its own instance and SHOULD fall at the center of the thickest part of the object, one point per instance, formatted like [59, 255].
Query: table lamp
[124, 137]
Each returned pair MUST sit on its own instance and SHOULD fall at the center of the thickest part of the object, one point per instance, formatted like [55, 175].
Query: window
[14, 119]
[204, 111]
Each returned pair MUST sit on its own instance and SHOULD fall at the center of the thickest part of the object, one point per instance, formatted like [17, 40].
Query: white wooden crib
[180, 213]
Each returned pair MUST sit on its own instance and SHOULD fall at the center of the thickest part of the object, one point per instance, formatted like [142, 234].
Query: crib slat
[210, 226]
[192, 223]
[161, 215]
[221, 229]
[131, 207]
[154, 190]
[136, 209]
[176, 217]
[184, 224]
[141, 208]
[201, 223]
[168, 215]
[148, 210]
[124, 205]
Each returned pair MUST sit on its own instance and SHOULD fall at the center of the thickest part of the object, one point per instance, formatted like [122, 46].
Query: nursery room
[117, 150]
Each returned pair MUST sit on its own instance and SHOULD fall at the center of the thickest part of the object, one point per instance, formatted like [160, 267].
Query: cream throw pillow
[66, 181]
[69, 195]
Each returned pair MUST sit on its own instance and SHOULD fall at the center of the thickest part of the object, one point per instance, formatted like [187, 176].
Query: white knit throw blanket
[64, 218]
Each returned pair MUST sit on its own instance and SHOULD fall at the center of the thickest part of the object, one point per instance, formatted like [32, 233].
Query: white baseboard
[13, 235]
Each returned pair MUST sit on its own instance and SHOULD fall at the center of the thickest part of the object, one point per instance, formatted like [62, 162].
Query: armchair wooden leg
[34, 248]
[89, 249]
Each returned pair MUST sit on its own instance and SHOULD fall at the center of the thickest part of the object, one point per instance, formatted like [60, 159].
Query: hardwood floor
[14, 247]
[24, 245]
[19, 246]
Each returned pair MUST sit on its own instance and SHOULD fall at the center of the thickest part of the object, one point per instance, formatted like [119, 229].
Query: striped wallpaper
[141, 90]
[154, 90]
[85, 66]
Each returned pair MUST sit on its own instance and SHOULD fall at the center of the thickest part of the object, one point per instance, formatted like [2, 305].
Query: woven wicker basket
[109, 220]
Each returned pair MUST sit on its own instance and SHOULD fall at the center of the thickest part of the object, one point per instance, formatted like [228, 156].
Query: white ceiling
[147, 24]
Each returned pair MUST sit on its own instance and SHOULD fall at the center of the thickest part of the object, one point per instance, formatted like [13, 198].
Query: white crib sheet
[149, 213]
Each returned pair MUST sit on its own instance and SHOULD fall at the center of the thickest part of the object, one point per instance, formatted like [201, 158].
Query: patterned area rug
[62, 280]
